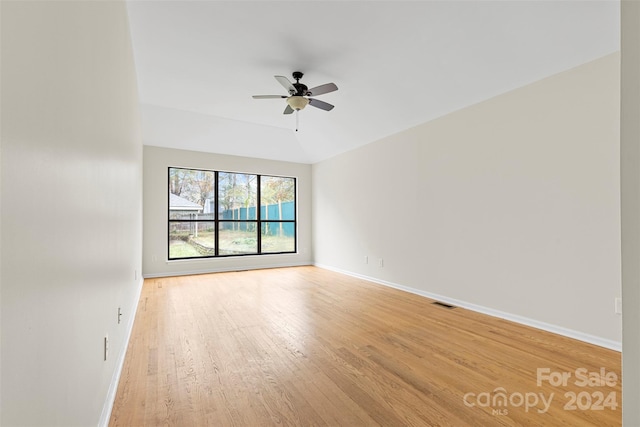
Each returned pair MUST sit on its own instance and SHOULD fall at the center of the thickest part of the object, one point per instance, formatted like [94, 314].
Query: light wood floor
[305, 346]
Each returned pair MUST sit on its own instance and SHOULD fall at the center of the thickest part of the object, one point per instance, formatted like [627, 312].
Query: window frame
[258, 221]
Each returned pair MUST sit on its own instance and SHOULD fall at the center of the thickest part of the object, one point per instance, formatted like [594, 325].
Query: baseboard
[225, 269]
[570, 333]
[113, 387]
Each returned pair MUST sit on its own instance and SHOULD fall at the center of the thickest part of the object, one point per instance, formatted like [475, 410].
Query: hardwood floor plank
[309, 347]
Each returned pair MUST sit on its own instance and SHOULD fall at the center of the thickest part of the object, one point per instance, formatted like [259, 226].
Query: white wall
[630, 186]
[71, 208]
[156, 192]
[511, 205]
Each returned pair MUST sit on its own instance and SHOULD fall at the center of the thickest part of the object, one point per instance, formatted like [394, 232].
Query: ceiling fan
[299, 94]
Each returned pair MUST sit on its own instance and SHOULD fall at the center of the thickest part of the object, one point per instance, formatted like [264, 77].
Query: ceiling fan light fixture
[297, 102]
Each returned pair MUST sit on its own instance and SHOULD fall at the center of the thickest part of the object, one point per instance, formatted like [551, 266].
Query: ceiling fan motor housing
[301, 89]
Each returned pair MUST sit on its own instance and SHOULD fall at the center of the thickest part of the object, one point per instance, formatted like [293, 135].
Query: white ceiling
[397, 64]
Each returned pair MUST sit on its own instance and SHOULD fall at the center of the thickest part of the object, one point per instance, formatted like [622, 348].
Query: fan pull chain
[297, 120]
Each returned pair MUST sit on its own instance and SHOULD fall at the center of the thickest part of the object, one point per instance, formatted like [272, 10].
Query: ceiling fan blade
[320, 104]
[288, 110]
[269, 96]
[286, 83]
[319, 90]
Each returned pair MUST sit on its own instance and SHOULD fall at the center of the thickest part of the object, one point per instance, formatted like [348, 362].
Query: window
[215, 214]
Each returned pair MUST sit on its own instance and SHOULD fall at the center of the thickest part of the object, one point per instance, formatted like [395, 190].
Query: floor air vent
[442, 304]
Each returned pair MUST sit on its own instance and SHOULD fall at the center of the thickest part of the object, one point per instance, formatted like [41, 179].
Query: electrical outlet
[380, 262]
[618, 305]
[366, 259]
[135, 274]
[106, 347]
[119, 314]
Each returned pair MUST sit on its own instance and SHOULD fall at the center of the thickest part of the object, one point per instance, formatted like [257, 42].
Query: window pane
[277, 198]
[237, 195]
[238, 238]
[278, 237]
[191, 193]
[191, 239]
